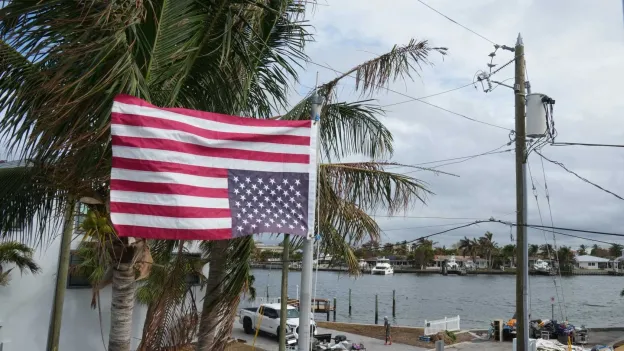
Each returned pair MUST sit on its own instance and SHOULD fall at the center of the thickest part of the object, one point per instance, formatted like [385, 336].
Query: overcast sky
[574, 54]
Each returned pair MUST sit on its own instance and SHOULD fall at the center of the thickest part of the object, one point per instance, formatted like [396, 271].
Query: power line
[493, 151]
[585, 144]
[416, 99]
[578, 176]
[426, 226]
[534, 226]
[457, 23]
[428, 96]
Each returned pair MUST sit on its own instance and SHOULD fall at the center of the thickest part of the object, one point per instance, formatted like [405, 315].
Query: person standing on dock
[388, 335]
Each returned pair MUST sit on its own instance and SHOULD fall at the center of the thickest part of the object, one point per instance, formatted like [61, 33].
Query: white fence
[434, 327]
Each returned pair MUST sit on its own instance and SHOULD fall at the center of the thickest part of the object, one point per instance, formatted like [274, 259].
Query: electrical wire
[426, 226]
[493, 151]
[428, 96]
[585, 144]
[539, 211]
[578, 176]
[416, 99]
[457, 23]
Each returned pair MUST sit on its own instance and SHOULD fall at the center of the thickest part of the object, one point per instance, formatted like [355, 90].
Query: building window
[77, 278]
[81, 214]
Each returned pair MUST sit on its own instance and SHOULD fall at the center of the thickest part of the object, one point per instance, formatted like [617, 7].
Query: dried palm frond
[374, 75]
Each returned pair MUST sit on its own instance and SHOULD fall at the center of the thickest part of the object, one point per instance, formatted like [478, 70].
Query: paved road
[269, 343]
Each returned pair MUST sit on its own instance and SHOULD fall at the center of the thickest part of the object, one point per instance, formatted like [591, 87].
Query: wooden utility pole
[56, 315]
[284, 292]
[522, 273]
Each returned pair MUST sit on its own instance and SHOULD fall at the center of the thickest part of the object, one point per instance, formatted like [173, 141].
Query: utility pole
[522, 273]
[56, 315]
[284, 293]
[305, 301]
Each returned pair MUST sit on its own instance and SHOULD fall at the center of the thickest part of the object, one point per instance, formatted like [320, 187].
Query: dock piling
[334, 309]
[376, 309]
[393, 303]
[267, 292]
[349, 302]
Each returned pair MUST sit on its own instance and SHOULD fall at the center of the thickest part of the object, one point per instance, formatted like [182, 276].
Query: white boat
[382, 267]
[452, 265]
[542, 267]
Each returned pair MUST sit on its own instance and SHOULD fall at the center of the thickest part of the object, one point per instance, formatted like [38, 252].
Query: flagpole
[305, 301]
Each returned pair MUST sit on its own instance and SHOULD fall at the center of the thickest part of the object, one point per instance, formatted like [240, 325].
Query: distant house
[269, 248]
[462, 261]
[592, 262]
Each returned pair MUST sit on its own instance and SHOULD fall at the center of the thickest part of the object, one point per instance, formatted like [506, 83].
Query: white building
[25, 306]
[592, 262]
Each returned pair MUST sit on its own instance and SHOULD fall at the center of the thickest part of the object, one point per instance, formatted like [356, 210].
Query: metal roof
[588, 258]
[12, 164]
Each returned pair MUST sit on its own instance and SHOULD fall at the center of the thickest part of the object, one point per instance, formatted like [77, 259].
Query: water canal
[591, 300]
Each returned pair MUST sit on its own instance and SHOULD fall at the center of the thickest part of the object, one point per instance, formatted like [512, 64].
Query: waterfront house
[592, 262]
[463, 261]
[268, 248]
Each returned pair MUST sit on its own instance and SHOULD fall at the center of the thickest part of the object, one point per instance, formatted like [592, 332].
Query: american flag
[186, 174]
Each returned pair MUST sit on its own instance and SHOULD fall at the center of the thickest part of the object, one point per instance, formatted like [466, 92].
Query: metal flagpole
[305, 301]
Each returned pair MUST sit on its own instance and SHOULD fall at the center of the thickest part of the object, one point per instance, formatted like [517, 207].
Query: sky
[574, 50]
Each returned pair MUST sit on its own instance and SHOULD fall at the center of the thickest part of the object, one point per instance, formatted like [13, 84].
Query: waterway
[591, 300]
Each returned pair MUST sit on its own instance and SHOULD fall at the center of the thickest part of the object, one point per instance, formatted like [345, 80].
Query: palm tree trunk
[211, 318]
[121, 307]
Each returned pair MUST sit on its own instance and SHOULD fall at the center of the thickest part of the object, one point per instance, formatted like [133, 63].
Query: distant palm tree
[533, 250]
[487, 246]
[546, 251]
[508, 252]
[582, 250]
[594, 249]
[615, 250]
[468, 247]
[19, 255]
[566, 258]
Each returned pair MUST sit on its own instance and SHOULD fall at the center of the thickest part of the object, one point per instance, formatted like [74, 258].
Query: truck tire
[247, 327]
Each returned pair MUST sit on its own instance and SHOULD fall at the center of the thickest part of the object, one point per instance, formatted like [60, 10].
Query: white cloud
[574, 52]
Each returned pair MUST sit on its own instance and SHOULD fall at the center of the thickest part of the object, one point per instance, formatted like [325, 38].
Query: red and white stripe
[169, 171]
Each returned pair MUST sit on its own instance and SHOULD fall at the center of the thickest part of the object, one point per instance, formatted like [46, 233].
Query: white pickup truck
[271, 321]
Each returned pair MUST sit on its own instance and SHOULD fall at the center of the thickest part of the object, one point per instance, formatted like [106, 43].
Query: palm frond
[367, 185]
[374, 75]
[5, 277]
[349, 128]
[29, 204]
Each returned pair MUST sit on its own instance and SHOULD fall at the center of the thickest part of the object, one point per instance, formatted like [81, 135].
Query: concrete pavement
[269, 343]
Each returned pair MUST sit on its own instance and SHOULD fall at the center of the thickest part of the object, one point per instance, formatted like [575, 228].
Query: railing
[434, 327]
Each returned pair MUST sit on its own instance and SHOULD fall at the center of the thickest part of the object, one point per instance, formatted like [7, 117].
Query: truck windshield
[292, 313]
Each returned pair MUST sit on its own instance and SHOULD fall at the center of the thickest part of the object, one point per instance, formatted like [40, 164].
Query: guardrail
[434, 327]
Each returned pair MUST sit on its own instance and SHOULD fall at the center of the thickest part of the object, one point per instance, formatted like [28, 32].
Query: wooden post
[334, 309]
[327, 308]
[267, 293]
[393, 303]
[349, 302]
[376, 309]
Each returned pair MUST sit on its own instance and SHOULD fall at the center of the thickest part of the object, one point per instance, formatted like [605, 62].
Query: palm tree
[615, 250]
[594, 250]
[546, 251]
[16, 254]
[469, 247]
[227, 56]
[533, 250]
[508, 252]
[487, 246]
[566, 258]
[582, 250]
